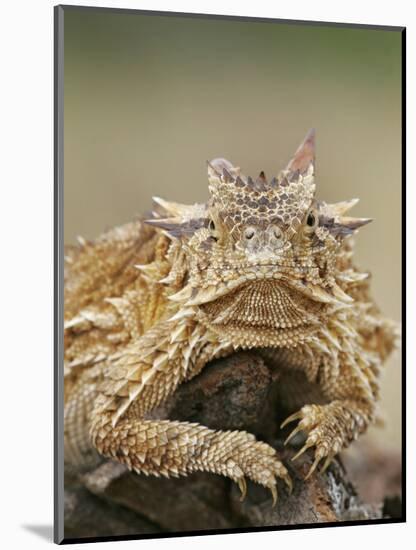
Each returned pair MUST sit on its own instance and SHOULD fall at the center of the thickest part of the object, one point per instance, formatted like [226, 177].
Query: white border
[26, 114]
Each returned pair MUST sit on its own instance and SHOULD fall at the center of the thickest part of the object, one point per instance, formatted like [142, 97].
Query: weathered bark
[239, 392]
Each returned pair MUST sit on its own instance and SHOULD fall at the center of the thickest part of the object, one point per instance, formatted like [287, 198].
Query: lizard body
[261, 265]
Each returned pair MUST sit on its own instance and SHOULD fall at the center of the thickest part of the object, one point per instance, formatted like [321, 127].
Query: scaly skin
[261, 265]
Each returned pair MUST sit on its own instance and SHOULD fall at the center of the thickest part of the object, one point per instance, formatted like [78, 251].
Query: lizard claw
[286, 478]
[318, 457]
[327, 462]
[303, 449]
[243, 488]
[295, 416]
[273, 490]
[292, 434]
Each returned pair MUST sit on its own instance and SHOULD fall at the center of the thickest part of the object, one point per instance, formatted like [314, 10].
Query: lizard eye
[249, 233]
[211, 225]
[312, 220]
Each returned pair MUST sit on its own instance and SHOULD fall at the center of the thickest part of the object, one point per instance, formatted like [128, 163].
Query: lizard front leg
[350, 385]
[142, 377]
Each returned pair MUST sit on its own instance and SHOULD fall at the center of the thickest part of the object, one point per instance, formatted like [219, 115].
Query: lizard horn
[304, 156]
[340, 208]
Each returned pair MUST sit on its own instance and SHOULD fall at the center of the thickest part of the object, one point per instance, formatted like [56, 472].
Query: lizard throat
[263, 313]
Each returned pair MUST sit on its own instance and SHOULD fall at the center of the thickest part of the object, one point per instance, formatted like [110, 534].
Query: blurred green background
[148, 99]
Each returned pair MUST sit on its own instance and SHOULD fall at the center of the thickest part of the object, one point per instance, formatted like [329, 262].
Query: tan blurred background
[148, 99]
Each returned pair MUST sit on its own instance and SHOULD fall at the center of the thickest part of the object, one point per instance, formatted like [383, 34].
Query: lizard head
[261, 255]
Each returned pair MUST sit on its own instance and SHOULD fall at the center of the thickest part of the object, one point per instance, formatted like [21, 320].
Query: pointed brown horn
[261, 181]
[218, 165]
[212, 171]
[226, 176]
[353, 223]
[305, 154]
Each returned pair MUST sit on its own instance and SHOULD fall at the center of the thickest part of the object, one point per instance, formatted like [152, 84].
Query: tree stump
[238, 392]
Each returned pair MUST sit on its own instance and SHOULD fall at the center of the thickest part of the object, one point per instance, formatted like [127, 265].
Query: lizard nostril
[277, 232]
[249, 233]
[275, 236]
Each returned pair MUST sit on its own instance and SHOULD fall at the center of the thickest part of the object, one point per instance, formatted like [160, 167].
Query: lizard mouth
[277, 278]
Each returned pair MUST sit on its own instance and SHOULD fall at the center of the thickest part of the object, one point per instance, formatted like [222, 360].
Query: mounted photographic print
[228, 274]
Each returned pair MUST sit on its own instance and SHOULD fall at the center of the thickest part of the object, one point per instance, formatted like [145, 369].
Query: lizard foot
[259, 463]
[328, 429]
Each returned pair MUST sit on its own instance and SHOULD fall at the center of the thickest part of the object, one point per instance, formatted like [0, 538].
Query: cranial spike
[212, 171]
[250, 181]
[262, 177]
[226, 176]
[340, 208]
[222, 170]
[261, 182]
[158, 200]
[164, 223]
[353, 223]
[274, 182]
[218, 165]
[214, 178]
[305, 154]
[174, 209]
[294, 176]
[283, 181]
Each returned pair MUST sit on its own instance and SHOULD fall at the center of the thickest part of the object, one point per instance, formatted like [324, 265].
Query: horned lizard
[262, 264]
